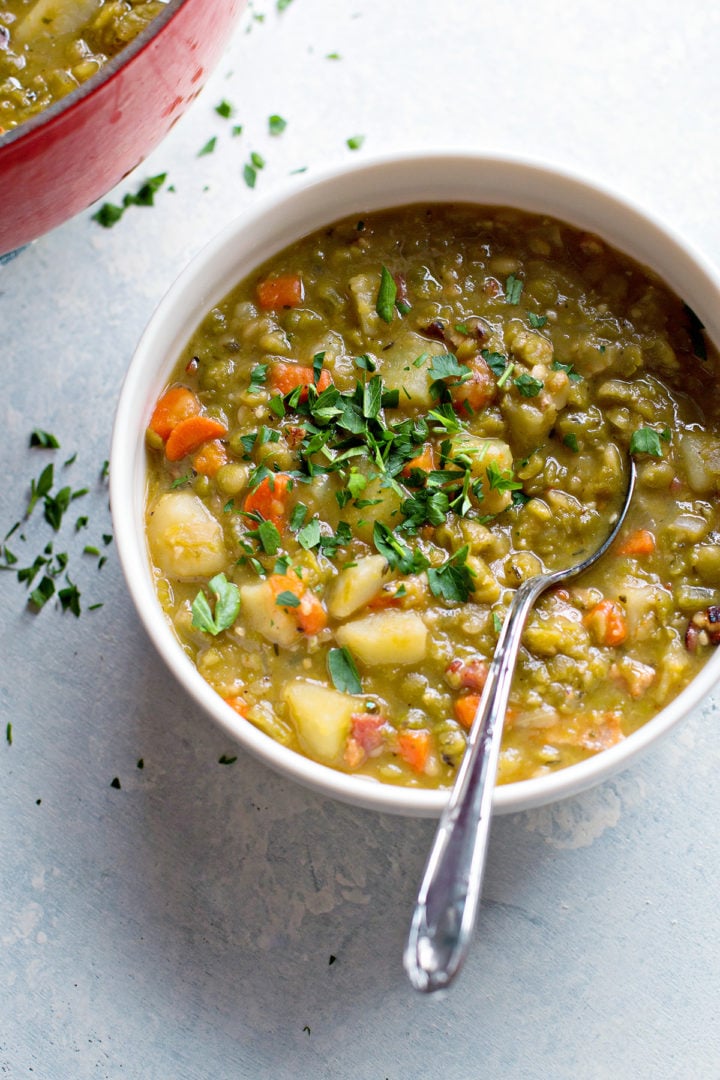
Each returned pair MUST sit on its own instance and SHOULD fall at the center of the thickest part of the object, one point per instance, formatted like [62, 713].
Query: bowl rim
[235, 243]
[68, 103]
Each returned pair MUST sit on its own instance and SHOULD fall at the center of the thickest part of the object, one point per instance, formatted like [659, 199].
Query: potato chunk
[264, 614]
[186, 541]
[484, 454]
[386, 637]
[322, 718]
[700, 454]
[400, 373]
[355, 587]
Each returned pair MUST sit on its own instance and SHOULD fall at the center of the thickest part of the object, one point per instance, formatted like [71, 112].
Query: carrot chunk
[209, 458]
[414, 748]
[190, 434]
[284, 378]
[284, 291]
[465, 708]
[239, 704]
[311, 615]
[176, 404]
[607, 623]
[269, 499]
[424, 462]
[477, 391]
[640, 542]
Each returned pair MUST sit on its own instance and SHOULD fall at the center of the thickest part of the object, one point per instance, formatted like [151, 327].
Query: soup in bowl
[362, 418]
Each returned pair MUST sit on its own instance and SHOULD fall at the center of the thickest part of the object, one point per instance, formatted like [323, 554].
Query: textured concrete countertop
[183, 924]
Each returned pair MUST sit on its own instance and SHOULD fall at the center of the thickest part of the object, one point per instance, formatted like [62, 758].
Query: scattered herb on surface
[9, 733]
[276, 124]
[109, 213]
[115, 783]
[208, 148]
[227, 759]
[249, 175]
[224, 109]
[355, 142]
[44, 440]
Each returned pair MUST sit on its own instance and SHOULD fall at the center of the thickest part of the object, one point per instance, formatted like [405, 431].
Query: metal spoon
[447, 902]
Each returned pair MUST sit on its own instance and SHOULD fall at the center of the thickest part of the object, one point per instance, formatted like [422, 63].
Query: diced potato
[53, 18]
[647, 608]
[700, 453]
[356, 586]
[322, 718]
[364, 289]
[186, 541]
[481, 453]
[263, 614]
[400, 373]
[386, 637]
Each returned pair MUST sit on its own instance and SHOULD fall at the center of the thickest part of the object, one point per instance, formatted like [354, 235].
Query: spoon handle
[447, 902]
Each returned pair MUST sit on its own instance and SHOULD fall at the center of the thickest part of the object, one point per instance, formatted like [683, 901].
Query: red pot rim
[88, 88]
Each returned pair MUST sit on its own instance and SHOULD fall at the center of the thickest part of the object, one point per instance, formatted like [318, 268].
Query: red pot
[71, 154]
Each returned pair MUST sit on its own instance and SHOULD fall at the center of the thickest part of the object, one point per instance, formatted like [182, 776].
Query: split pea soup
[49, 47]
[380, 433]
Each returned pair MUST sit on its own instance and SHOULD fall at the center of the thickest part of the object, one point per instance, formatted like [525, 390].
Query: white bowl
[249, 241]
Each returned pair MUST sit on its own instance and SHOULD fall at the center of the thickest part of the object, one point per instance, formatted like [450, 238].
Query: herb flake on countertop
[224, 109]
[109, 213]
[276, 124]
[208, 148]
[355, 142]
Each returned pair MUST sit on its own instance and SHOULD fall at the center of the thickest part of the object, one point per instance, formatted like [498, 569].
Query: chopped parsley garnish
[568, 369]
[513, 289]
[287, 599]
[571, 441]
[249, 175]
[227, 759]
[645, 441]
[44, 440]
[497, 622]
[227, 606]
[454, 579]
[387, 294]
[276, 124]
[528, 385]
[355, 142]
[536, 321]
[309, 536]
[258, 376]
[109, 214]
[257, 160]
[224, 109]
[343, 672]
[495, 361]
[209, 147]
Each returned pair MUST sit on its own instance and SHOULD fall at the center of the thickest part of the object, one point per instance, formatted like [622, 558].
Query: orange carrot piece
[607, 623]
[284, 291]
[311, 615]
[269, 499]
[465, 708]
[176, 404]
[209, 458]
[414, 748]
[640, 542]
[190, 434]
[424, 462]
[283, 378]
[477, 391]
[239, 704]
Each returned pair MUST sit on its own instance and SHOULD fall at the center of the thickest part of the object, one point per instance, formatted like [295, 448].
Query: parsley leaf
[209, 147]
[398, 555]
[224, 109]
[446, 365]
[276, 124]
[387, 294]
[495, 361]
[568, 369]
[287, 599]
[528, 385]
[309, 536]
[513, 289]
[227, 606]
[355, 142]
[44, 440]
[454, 579]
[536, 321]
[645, 441]
[571, 441]
[343, 671]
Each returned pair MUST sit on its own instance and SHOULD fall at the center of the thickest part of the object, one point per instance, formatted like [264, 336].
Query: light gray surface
[182, 926]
